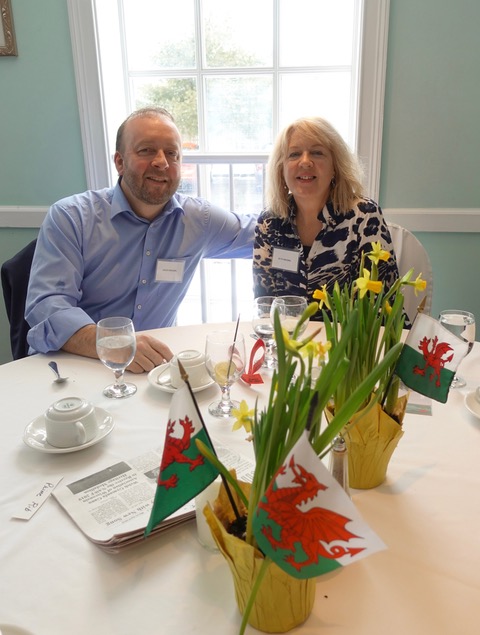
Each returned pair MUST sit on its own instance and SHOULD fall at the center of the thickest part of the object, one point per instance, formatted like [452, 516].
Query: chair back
[411, 253]
[15, 275]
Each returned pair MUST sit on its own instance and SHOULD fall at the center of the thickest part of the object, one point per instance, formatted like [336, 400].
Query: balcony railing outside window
[222, 289]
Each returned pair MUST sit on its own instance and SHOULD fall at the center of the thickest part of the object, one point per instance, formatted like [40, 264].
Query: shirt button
[148, 252]
[139, 306]
[144, 282]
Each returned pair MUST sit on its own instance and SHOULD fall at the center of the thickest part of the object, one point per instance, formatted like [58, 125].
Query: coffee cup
[70, 422]
[194, 365]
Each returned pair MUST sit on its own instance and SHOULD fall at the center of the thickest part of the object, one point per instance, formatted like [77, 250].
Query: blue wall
[430, 142]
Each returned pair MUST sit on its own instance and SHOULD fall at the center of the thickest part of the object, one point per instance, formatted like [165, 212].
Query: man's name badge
[169, 270]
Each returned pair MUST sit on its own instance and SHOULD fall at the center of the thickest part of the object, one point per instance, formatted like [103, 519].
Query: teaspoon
[59, 379]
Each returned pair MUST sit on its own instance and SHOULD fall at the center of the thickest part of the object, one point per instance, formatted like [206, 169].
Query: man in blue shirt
[130, 251]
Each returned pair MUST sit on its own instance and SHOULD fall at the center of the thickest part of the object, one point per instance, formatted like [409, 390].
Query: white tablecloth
[54, 581]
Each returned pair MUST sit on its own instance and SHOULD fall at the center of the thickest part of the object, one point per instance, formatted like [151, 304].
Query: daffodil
[322, 296]
[418, 284]
[378, 253]
[378, 331]
[243, 416]
[316, 350]
[364, 284]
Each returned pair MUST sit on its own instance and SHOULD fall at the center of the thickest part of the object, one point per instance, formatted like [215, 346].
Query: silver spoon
[59, 379]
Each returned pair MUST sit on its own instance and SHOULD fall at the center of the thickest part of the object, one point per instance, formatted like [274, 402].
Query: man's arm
[149, 354]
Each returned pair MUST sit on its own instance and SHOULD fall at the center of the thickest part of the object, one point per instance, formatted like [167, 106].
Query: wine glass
[116, 346]
[225, 361]
[263, 327]
[462, 324]
[290, 309]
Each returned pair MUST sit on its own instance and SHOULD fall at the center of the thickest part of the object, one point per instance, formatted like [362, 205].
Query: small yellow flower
[388, 307]
[364, 284]
[419, 284]
[243, 416]
[322, 296]
[378, 253]
[316, 349]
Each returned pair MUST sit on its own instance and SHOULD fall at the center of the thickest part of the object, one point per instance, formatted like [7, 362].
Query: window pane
[323, 95]
[324, 38]
[240, 188]
[238, 34]
[160, 35]
[238, 113]
[178, 95]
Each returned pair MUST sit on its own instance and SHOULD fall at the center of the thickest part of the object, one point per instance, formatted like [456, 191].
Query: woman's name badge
[169, 270]
[285, 259]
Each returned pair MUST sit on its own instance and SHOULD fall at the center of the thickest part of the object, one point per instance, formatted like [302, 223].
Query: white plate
[35, 436]
[159, 378]
[472, 404]
[10, 629]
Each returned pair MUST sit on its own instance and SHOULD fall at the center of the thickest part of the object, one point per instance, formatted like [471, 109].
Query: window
[233, 74]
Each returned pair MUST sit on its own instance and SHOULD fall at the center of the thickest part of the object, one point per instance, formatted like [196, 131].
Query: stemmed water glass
[462, 324]
[225, 361]
[116, 346]
[263, 326]
[290, 309]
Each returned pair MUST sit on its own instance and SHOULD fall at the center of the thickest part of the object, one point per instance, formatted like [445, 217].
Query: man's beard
[146, 195]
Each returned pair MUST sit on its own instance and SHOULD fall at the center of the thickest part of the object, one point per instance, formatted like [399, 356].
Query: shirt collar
[120, 204]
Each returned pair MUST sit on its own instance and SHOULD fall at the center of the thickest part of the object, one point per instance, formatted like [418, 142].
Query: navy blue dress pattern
[334, 255]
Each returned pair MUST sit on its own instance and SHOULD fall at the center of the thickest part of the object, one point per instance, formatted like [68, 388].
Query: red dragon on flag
[301, 521]
[183, 471]
[430, 357]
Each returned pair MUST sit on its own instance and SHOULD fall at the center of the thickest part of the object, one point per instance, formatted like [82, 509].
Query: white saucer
[159, 378]
[35, 436]
[472, 404]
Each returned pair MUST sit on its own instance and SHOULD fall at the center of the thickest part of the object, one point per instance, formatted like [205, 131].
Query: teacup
[194, 365]
[69, 422]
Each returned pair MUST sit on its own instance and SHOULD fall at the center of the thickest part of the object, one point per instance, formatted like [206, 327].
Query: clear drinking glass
[263, 327]
[462, 324]
[290, 309]
[116, 346]
[225, 361]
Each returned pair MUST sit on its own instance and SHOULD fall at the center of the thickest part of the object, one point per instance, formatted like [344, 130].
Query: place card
[419, 404]
[36, 498]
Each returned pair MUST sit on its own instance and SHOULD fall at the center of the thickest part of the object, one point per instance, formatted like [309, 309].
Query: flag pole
[184, 376]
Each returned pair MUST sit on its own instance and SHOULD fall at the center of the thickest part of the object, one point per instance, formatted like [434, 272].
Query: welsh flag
[184, 472]
[429, 358]
[306, 523]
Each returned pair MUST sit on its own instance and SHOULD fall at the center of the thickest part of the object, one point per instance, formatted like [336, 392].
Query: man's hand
[150, 353]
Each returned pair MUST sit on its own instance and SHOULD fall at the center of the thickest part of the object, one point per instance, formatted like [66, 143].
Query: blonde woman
[318, 219]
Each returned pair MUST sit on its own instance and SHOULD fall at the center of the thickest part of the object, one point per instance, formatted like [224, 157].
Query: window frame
[93, 120]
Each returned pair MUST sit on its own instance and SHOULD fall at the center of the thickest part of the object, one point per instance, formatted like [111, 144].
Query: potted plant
[374, 431]
[295, 405]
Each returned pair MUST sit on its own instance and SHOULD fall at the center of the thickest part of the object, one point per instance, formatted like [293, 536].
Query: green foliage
[179, 94]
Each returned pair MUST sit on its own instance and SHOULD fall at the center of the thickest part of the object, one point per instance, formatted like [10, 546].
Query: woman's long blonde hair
[347, 186]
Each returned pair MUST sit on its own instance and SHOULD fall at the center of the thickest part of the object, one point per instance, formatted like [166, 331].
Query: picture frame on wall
[8, 44]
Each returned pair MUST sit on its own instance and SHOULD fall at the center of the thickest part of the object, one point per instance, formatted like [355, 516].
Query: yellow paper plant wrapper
[371, 437]
[282, 602]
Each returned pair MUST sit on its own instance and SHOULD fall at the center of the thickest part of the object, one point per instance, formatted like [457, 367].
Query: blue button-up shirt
[96, 258]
